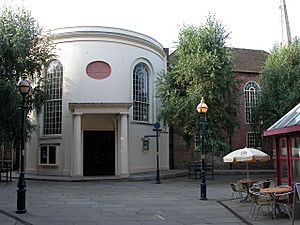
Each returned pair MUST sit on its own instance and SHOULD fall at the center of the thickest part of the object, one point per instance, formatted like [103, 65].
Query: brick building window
[53, 106]
[253, 139]
[141, 93]
[251, 91]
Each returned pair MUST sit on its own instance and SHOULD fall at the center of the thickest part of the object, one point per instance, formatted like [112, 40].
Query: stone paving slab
[243, 210]
[173, 202]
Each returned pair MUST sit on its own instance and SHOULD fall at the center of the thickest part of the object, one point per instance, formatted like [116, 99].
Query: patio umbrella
[246, 155]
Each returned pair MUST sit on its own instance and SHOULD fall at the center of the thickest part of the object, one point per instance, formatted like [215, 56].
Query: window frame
[251, 90]
[252, 137]
[48, 146]
[52, 115]
[139, 104]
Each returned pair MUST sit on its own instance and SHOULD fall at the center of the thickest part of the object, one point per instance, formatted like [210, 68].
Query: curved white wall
[76, 47]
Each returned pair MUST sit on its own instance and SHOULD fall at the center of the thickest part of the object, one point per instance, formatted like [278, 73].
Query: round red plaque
[98, 70]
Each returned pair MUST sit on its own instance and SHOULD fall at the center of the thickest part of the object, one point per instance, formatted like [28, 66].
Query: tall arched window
[53, 106]
[251, 91]
[141, 93]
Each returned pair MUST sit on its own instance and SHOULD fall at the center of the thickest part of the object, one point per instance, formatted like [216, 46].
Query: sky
[252, 24]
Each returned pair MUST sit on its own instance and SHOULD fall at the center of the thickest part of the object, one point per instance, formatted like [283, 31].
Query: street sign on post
[157, 132]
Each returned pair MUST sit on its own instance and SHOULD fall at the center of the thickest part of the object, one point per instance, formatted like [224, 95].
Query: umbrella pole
[247, 170]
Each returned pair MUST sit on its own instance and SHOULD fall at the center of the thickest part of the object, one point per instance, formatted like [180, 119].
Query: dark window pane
[52, 155]
[44, 155]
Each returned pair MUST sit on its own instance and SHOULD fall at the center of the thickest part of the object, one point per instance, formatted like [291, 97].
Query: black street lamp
[24, 88]
[202, 109]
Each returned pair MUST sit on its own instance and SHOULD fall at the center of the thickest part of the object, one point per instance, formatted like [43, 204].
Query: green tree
[280, 85]
[202, 67]
[24, 49]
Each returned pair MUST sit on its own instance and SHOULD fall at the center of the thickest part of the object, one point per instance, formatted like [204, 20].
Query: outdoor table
[275, 190]
[247, 184]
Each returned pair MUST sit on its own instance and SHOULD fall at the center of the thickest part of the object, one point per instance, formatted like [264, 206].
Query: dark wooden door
[99, 153]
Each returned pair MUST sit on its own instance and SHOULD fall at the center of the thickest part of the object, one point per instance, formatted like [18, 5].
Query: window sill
[48, 165]
[141, 123]
[46, 137]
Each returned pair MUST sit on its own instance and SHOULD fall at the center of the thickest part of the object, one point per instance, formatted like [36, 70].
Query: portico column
[124, 145]
[77, 158]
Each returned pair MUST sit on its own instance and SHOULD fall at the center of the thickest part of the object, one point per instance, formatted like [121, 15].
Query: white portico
[117, 114]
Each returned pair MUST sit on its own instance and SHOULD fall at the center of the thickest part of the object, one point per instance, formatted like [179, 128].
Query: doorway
[98, 153]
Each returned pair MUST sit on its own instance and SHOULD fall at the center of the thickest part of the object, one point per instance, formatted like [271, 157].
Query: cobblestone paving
[173, 202]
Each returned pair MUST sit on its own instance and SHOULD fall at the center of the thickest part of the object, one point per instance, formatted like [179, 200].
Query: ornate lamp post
[202, 109]
[24, 88]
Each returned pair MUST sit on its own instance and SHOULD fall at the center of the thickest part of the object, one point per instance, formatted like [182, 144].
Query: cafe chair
[237, 190]
[262, 200]
[252, 191]
[263, 184]
[286, 201]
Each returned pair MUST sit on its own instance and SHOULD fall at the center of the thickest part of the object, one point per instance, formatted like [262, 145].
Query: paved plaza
[108, 202]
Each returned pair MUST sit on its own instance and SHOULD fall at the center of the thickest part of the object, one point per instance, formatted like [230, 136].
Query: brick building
[247, 64]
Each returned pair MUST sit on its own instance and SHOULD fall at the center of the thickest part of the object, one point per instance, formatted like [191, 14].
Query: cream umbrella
[246, 155]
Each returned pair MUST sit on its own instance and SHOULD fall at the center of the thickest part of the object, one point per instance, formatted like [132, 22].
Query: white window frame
[254, 139]
[141, 102]
[48, 146]
[52, 123]
[251, 90]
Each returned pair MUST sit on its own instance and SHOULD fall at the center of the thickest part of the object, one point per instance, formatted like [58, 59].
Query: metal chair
[285, 200]
[252, 191]
[262, 200]
[263, 184]
[238, 190]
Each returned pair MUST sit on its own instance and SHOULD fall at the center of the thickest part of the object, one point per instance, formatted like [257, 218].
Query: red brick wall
[239, 137]
[183, 152]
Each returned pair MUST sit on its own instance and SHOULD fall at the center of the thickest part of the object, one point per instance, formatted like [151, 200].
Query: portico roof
[100, 107]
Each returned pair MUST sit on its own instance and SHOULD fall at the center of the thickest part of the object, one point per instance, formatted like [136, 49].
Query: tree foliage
[203, 67]
[280, 85]
[24, 49]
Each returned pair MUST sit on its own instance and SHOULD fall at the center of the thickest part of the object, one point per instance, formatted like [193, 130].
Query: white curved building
[101, 104]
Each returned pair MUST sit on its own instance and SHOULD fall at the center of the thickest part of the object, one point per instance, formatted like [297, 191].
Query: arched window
[251, 91]
[53, 106]
[141, 93]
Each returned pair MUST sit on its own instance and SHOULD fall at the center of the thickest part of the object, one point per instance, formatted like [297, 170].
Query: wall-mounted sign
[145, 145]
[98, 70]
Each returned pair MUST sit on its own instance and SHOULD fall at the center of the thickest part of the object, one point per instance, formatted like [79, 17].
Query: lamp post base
[203, 192]
[203, 180]
[21, 194]
[21, 211]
